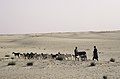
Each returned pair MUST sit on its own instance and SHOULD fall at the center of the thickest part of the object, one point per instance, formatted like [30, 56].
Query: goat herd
[58, 56]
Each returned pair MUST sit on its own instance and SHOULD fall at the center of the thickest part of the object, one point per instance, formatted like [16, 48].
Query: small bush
[92, 64]
[30, 64]
[7, 55]
[12, 58]
[104, 77]
[60, 58]
[11, 63]
[112, 60]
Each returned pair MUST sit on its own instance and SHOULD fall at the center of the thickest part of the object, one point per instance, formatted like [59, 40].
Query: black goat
[82, 55]
[16, 54]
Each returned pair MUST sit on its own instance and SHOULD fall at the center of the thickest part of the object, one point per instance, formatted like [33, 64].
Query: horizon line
[60, 32]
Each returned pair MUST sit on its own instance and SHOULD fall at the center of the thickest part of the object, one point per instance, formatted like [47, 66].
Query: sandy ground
[108, 44]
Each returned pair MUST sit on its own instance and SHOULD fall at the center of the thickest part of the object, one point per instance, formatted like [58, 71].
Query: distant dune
[81, 35]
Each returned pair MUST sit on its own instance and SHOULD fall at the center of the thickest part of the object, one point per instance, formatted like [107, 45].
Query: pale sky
[36, 16]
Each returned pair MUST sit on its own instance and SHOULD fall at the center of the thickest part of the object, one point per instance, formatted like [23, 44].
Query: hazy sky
[33, 16]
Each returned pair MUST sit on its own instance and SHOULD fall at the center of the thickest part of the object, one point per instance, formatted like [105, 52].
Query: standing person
[75, 51]
[95, 53]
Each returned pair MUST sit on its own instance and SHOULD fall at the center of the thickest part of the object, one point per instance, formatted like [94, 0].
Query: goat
[37, 56]
[81, 54]
[44, 56]
[53, 56]
[68, 56]
[25, 55]
[16, 54]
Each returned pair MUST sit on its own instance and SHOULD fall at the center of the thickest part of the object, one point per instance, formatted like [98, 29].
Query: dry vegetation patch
[7, 55]
[92, 64]
[104, 77]
[12, 63]
[112, 60]
[30, 64]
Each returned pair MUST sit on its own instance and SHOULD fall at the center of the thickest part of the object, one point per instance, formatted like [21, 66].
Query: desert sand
[107, 42]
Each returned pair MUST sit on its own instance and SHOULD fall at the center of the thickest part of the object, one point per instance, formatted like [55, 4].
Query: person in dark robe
[95, 53]
[76, 51]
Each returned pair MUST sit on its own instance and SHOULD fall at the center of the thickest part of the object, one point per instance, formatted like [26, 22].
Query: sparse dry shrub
[112, 60]
[12, 58]
[92, 64]
[87, 49]
[104, 77]
[11, 63]
[30, 64]
[7, 55]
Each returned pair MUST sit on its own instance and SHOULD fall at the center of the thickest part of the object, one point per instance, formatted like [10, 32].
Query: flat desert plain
[107, 42]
